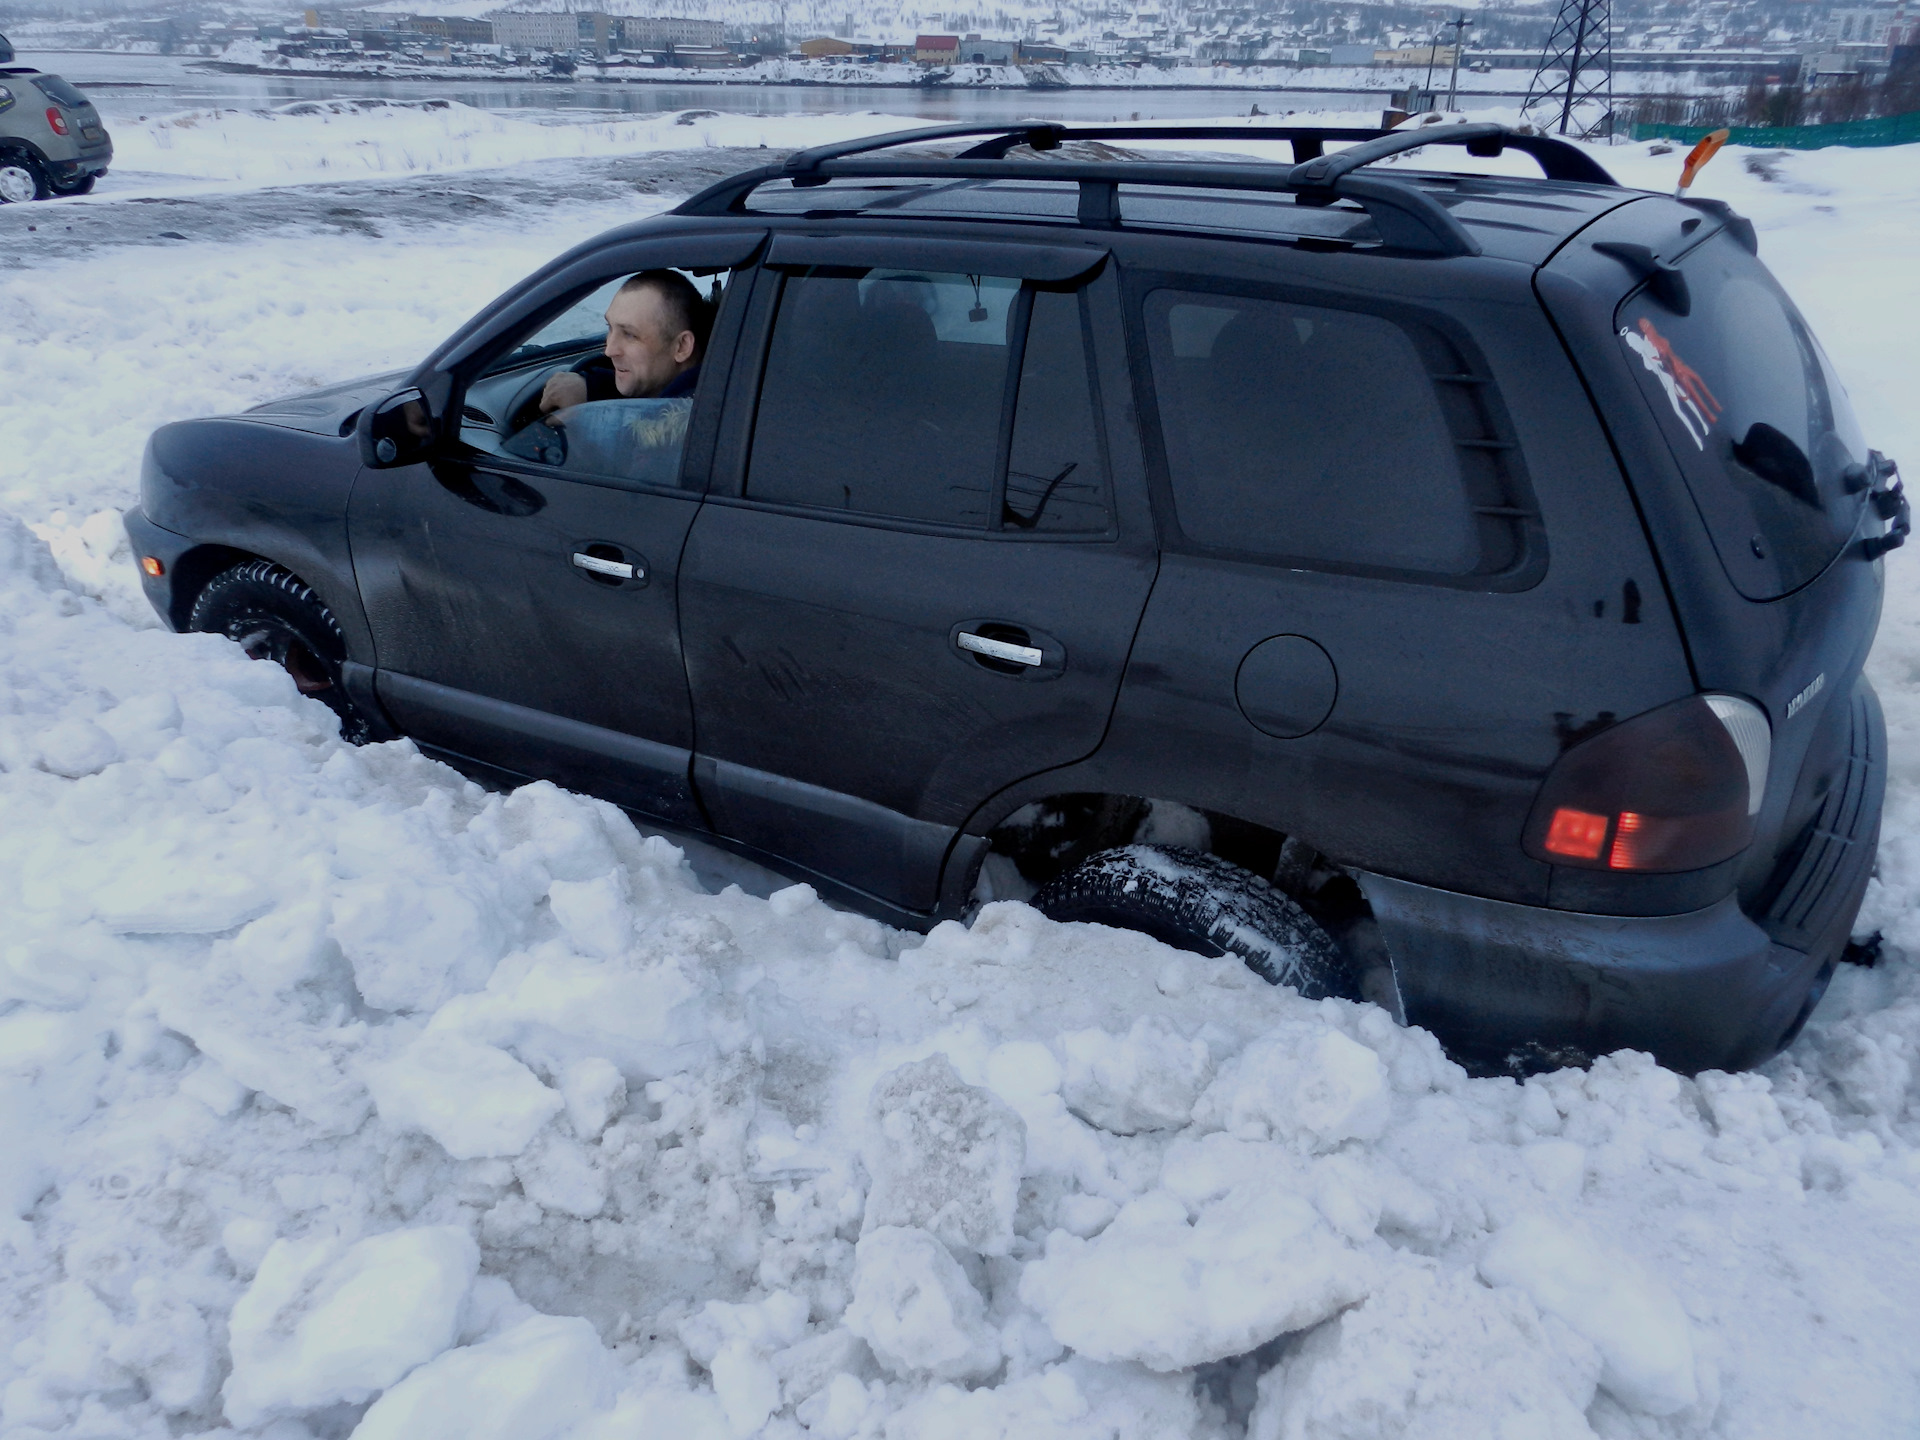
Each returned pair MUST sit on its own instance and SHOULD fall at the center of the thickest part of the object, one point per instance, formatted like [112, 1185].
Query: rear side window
[1323, 437]
[1754, 414]
[892, 393]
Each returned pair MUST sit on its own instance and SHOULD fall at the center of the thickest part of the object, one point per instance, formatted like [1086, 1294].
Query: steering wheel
[527, 397]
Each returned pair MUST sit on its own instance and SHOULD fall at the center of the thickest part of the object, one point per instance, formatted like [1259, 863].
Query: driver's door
[523, 601]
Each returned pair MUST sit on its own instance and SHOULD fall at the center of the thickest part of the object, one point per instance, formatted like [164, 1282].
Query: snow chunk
[1145, 1080]
[533, 1382]
[1431, 1355]
[595, 1093]
[320, 1326]
[944, 1155]
[596, 914]
[76, 747]
[415, 943]
[478, 1102]
[916, 1309]
[1634, 1321]
[1302, 1080]
[1155, 1289]
[1076, 1400]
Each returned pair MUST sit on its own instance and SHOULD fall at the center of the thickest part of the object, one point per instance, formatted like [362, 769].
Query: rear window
[60, 92]
[1754, 414]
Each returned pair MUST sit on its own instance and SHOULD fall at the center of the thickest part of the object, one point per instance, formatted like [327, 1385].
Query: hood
[330, 411]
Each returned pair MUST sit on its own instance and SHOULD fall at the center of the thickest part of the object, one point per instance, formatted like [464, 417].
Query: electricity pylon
[1575, 71]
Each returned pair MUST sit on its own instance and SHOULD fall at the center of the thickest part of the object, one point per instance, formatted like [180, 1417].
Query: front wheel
[273, 615]
[21, 179]
[1204, 905]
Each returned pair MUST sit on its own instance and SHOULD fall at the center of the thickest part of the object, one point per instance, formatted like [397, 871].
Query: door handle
[999, 649]
[614, 569]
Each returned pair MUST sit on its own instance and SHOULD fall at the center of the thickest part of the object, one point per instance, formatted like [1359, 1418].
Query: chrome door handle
[618, 569]
[999, 649]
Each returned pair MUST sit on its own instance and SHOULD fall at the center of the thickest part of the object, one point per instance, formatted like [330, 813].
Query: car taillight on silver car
[1674, 789]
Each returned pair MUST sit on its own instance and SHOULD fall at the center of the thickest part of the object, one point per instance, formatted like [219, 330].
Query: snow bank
[339, 1097]
[311, 140]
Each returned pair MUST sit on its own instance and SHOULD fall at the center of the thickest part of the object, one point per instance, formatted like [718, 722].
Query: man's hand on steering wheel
[562, 391]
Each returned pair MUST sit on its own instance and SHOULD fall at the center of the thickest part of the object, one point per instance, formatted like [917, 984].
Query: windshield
[1754, 414]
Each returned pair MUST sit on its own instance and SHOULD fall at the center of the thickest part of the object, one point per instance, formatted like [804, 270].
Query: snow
[339, 1097]
[324, 1323]
[321, 140]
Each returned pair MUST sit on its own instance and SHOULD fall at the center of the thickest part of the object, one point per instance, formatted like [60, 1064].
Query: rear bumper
[1714, 989]
[92, 160]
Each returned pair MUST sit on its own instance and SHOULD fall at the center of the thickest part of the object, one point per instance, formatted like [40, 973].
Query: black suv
[1444, 588]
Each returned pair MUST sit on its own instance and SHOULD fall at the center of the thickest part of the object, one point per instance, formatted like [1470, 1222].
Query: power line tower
[1575, 72]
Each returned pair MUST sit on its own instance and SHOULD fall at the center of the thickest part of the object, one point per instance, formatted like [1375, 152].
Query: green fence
[1888, 130]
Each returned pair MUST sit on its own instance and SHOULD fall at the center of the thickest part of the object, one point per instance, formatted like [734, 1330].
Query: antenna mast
[1576, 70]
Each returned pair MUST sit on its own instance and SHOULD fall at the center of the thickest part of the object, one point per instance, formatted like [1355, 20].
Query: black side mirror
[398, 430]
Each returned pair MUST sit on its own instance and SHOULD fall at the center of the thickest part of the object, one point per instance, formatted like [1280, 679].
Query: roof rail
[1407, 216]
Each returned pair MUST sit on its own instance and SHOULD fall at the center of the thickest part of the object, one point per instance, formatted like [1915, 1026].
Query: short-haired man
[657, 327]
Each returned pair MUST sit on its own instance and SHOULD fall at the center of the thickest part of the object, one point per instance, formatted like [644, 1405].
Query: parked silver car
[51, 139]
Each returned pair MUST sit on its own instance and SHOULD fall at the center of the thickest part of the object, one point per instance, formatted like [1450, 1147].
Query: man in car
[657, 327]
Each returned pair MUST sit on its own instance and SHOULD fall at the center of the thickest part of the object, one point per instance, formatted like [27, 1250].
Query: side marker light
[151, 564]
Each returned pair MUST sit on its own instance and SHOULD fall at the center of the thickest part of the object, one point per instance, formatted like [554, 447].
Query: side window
[1056, 470]
[1305, 433]
[883, 394]
[600, 431]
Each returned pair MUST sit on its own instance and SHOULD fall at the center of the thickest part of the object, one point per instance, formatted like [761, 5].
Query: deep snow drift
[340, 1097]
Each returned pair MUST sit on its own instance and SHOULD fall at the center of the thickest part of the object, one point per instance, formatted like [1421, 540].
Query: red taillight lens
[57, 121]
[1674, 789]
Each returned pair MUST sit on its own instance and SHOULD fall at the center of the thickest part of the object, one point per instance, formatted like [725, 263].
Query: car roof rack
[1407, 216]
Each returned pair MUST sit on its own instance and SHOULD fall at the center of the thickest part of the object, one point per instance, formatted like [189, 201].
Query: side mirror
[398, 430]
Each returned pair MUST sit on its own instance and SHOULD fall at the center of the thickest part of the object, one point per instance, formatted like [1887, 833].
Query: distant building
[661, 32]
[558, 33]
[936, 49]
[1415, 55]
[463, 28]
[700, 57]
[824, 45]
[975, 51]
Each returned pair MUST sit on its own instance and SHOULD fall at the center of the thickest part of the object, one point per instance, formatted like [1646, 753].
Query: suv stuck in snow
[51, 138]
[1448, 589]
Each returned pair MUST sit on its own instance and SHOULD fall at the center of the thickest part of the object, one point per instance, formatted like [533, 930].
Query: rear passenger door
[913, 582]
[1337, 644]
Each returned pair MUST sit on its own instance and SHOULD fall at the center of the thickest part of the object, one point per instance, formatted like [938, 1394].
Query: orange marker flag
[1697, 158]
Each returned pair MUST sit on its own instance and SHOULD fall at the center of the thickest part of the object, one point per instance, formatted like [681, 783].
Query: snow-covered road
[340, 1097]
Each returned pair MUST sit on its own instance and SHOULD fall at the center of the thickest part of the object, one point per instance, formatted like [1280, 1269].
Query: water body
[131, 87]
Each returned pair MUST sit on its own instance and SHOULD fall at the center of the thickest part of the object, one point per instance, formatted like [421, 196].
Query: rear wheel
[1204, 905]
[21, 178]
[273, 615]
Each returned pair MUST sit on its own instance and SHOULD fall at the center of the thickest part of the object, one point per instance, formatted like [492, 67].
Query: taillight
[57, 121]
[1674, 789]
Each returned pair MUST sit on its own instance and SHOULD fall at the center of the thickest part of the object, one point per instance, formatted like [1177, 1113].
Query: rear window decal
[1692, 401]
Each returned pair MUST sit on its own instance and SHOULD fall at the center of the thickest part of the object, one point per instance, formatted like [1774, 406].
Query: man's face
[641, 342]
